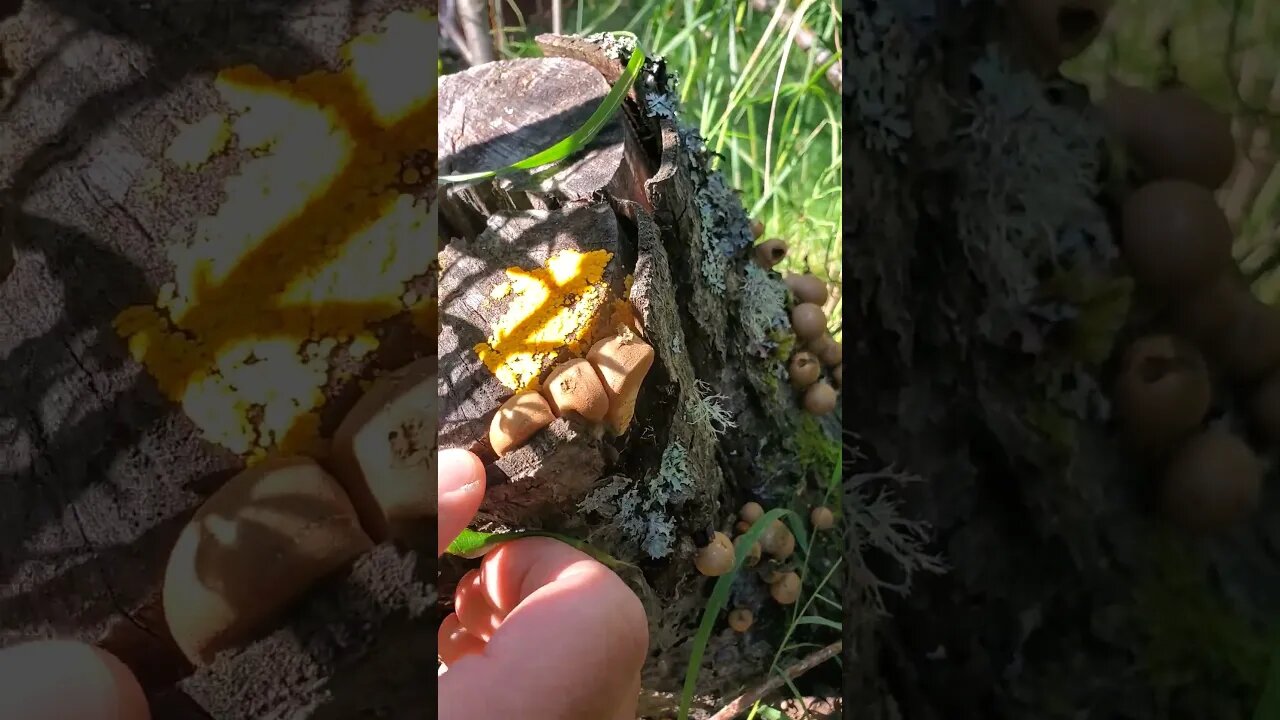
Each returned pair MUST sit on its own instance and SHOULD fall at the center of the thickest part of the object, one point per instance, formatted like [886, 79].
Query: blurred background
[1227, 52]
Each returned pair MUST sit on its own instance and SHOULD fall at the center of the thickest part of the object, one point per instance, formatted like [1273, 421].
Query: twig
[773, 682]
[807, 41]
[473, 15]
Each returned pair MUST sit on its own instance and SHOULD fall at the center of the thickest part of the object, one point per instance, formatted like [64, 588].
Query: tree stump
[136, 137]
[715, 422]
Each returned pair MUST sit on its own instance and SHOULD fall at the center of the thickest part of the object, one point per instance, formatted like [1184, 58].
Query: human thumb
[459, 490]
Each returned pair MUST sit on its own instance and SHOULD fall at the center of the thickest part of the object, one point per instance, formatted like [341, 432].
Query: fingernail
[458, 470]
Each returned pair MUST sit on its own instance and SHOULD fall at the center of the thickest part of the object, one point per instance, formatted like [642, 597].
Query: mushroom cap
[1203, 314]
[292, 526]
[716, 558]
[778, 541]
[576, 386]
[1061, 29]
[1162, 392]
[753, 553]
[1264, 406]
[384, 450]
[622, 363]
[807, 288]
[836, 373]
[832, 354]
[786, 589]
[803, 370]
[757, 229]
[741, 526]
[807, 321]
[517, 420]
[770, 252]
[822, 518]
[751, 511]
[1192, 141]
[820, 398]
[1250, 345]
[740, 619]
[1174, 236]
[1211, 481]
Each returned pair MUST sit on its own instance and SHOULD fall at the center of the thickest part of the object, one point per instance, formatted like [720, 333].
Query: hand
[62, 679]
[541, 631]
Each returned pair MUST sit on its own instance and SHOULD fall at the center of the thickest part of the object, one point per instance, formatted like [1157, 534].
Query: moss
[1191, 630]
[815, 451]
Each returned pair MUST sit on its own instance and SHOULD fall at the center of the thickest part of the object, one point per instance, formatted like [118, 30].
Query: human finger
[455, 642]
[61, 679]
[460, 490]
[582, 624]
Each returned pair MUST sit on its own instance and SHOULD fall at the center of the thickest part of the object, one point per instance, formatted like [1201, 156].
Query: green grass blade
[472, 544]
[580, 138]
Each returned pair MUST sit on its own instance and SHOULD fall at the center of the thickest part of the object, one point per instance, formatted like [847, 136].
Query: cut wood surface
[108, 203]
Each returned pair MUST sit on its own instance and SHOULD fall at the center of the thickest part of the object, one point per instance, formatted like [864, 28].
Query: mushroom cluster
[269, 534]
[1176, 242]
[716, 557]
[601, 388]
[816, 350]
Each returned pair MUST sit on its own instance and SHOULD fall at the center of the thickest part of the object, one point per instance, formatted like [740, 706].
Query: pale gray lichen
[706, 408]
[762, 309]
[881, 61]
[644, 513]
[877, 524]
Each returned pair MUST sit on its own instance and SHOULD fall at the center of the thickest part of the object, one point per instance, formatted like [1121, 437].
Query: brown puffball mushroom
[803, 370]
[741, 526]
[832, 354]
[1174, 236]
[753, 553]
[820, 398]
[786, 589]
[1264, 405]
[778, 541]
[757, 229]
[822, 518]
[576, 386]
[517, 420]
[1249, 346]
[1203, 314]
[253, 548]
[836, 373]
[807, 288]
[716, 558]
[807, 321]
[384, 450]
[751, 511]
[1192, 141]
[770, 252]
[740, 619]
[771, 572]
[623, 362]
[1162, 392]
[1061, 29]
[1212, 481]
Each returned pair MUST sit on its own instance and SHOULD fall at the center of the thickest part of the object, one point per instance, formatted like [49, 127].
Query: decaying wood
[500, 113]
[718, 326]
[98, 471]
[357, 646]
[469, 272]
